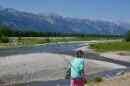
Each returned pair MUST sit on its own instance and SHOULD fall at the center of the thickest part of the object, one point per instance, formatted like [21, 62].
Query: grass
[84, 39]
[31, 41]
[21, 41]
[111, 46]
[96, 79]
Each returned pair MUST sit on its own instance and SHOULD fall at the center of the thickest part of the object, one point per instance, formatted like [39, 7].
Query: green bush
[4, 39]
[47, 40]
[92, 45]
[97, 79]
[97, 46]
[19, 39]
[127, 36]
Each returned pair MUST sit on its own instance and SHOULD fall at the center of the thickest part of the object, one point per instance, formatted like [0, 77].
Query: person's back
[77, 70]
[78, 65]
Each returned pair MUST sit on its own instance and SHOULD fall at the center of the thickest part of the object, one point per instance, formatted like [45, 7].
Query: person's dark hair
[79, 52]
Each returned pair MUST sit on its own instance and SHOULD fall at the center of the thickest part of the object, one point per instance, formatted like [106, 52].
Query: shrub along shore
[111, 46]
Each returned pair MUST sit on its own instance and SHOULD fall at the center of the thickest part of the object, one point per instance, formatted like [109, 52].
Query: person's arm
[82, 71]
[81, 67]
[84, 77]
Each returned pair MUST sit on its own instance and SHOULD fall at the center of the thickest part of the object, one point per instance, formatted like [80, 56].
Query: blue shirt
[77, 64]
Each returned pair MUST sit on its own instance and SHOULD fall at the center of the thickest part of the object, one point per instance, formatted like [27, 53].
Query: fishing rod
[61, 54]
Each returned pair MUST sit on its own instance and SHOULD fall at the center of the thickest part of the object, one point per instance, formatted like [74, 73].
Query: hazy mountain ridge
[52, 22]
[124, 24]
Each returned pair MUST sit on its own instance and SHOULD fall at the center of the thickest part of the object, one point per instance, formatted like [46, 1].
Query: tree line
[24, 33]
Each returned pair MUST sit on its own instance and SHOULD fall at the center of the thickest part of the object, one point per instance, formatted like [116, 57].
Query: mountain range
[51, 22]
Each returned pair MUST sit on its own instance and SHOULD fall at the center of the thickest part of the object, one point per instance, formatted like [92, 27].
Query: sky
[108, 10]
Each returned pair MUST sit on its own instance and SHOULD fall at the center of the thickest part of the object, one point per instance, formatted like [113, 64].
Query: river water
[49, 48]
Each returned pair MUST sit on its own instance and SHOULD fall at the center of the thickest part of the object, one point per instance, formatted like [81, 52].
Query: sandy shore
[119, 55]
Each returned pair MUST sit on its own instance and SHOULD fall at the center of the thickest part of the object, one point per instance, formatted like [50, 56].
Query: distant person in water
[77, 70]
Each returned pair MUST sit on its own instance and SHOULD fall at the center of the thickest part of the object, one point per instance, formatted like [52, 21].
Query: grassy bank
[111, 46]
[21, 41]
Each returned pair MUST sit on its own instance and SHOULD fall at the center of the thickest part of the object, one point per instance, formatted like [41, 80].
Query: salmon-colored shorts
[77, 82]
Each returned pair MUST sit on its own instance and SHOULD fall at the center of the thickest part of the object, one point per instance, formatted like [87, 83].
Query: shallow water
[49, 48]
[66, 82]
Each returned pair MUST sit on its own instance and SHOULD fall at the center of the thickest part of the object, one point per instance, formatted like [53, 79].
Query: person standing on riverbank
[77, 70]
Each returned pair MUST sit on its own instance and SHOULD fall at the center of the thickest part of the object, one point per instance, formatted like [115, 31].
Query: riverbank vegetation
[4, 39]
[95, 80]
[113, 46]
[5, 33]
[127, 36]
[41, 40]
